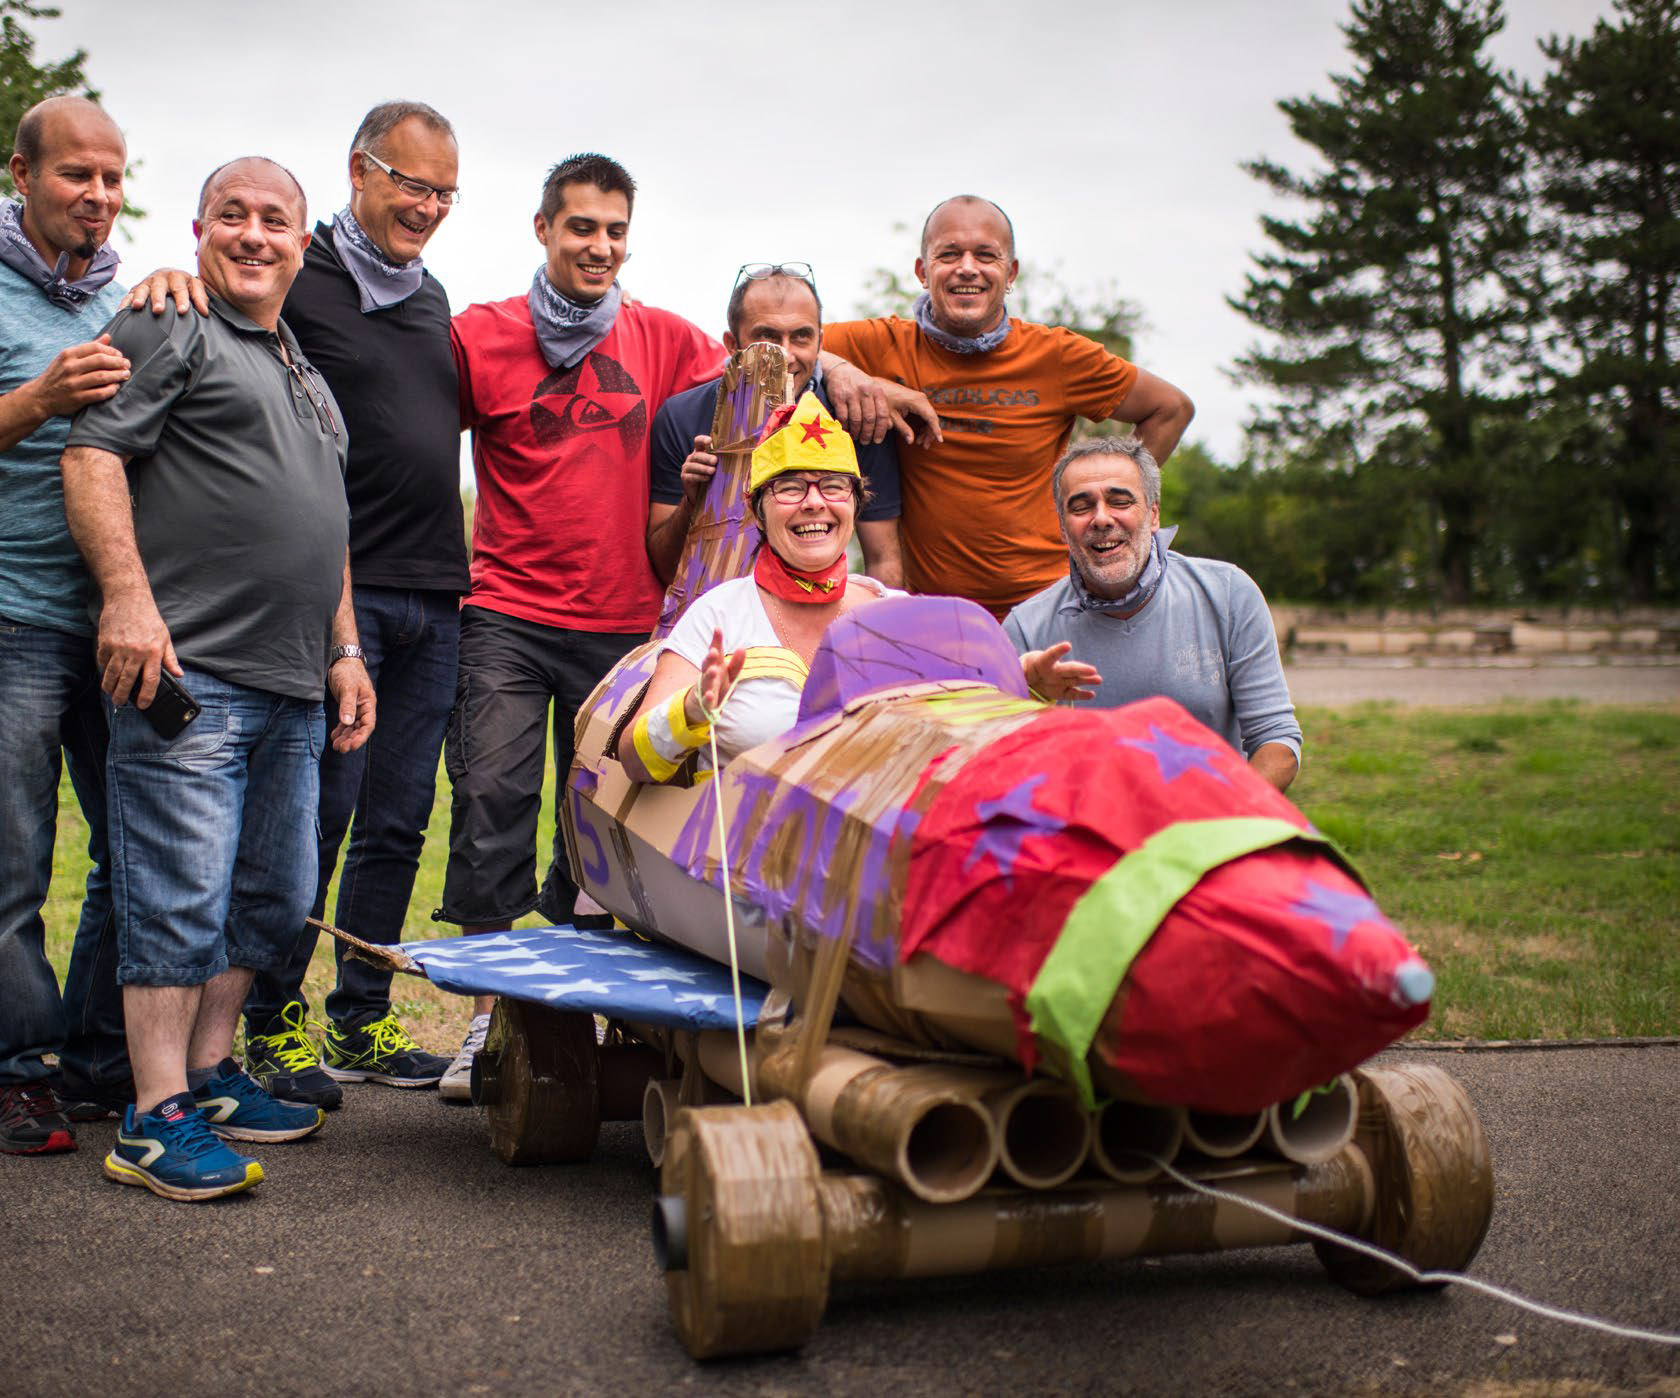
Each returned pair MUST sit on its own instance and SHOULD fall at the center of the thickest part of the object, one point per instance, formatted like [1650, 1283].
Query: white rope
[711, 718]
[1330, 1235]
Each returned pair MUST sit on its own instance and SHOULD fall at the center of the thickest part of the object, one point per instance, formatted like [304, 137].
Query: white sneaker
[456, 1084]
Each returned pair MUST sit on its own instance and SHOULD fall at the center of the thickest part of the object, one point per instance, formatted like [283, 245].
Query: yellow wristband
[663, 737]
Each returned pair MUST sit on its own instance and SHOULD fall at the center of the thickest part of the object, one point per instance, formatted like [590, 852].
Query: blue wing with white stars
[608, 973]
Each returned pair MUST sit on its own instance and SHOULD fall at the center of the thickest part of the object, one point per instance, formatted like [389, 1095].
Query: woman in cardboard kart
[742, 651]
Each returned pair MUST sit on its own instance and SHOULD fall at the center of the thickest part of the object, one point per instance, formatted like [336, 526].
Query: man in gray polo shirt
[1156, 622]
[229, 572]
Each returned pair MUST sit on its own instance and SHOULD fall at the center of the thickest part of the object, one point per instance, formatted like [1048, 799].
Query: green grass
[1532, 852]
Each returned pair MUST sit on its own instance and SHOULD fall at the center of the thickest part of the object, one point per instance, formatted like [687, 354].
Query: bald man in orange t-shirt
[978, 520]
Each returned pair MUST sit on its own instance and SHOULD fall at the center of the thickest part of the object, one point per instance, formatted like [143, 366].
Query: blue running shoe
[234, 1107]
[171, 1151]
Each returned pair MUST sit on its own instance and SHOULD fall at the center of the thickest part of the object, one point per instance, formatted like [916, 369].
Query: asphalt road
[395, 1254]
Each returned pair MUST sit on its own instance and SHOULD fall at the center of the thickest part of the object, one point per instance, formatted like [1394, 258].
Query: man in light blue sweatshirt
[56, 292]
[1155, 622]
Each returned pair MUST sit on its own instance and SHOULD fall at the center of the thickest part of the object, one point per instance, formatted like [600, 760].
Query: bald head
[967, 206]
[61, 121]
[259, 166]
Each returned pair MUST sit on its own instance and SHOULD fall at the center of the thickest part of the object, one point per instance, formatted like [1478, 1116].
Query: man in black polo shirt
[376, 324]
[777, 304]
[220, 558]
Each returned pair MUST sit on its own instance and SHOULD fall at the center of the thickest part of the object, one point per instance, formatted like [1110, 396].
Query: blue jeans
[213, 833]
[411, 639]
[51, 702]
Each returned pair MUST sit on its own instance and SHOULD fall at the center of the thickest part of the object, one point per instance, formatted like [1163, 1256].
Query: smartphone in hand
[172, 708]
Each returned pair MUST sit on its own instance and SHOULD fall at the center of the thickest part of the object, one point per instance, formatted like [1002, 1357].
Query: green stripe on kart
[1117, 915]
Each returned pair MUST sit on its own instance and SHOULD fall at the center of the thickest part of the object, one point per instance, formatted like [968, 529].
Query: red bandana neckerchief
[791, 585]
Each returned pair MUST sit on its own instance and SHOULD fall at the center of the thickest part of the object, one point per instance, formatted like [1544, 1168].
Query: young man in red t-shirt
[559, 386]
[977, 519]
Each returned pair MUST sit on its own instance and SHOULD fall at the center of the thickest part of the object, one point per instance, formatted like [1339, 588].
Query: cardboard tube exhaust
[876, 1233]
[661, 1101]
[1121, 1129]
[1219, 1136]
[1324, 1127]
[1043, 1132]
[659, 1107]
[915, 1124]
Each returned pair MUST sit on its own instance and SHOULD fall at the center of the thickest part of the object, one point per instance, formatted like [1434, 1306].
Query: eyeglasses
[318, 399]
[757, 271]
[413, 188]
[792, 490]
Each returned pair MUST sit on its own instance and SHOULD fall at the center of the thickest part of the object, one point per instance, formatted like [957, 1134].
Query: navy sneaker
[31, 1122]
[234, 1106]
[284, 1060]
[380, 1052]
[171, 1151]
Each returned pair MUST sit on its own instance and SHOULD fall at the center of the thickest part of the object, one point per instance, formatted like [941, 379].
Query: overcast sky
[1110, 130]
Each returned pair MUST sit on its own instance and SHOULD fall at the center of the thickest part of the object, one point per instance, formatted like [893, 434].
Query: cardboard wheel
[754, 1274]
[1433, 1174]
[544, 1104]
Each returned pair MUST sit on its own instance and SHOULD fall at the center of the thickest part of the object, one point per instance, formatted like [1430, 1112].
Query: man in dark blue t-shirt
[778, 305]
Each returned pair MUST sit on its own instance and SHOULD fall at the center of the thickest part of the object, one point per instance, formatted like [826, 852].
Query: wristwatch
[338, 653]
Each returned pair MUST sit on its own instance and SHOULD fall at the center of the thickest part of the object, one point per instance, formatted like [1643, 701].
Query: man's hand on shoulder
[353, 697]
[859, 401]
[913, 415]
[169, 284]
[79, 375]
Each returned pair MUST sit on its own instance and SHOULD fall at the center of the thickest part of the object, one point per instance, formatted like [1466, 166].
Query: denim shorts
[213, 833]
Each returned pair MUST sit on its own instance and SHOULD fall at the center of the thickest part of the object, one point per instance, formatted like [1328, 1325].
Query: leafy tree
[1604, 127]
[23, 82]
[1387, 301]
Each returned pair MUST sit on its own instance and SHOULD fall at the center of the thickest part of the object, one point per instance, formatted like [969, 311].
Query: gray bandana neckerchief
[18, 253]
[567, 329]
[958, 344]
[379, 281]
[1148, 581]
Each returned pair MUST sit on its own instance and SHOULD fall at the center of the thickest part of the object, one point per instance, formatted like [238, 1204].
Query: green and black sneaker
[284, 1060]
[380, 1052]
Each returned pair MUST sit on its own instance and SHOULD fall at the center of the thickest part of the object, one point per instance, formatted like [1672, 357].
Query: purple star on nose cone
[1173, 758]
[1341, 911]
[1007, 822]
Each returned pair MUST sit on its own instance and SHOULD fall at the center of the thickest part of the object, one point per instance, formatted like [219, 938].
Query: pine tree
[1387, 301]
[1605, 131]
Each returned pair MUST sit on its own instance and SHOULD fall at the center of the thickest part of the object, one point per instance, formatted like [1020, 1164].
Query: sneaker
[285, 1061]
[31, 1122]
[379, 1052]
[172, 1151]
[83, 1100]
[234, 1107]
[456, 1084]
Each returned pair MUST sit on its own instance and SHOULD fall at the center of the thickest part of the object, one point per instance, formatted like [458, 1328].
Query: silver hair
[1128, 446]
[387, 116]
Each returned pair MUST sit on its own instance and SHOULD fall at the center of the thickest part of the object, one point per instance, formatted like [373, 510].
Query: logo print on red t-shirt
[594, 395]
